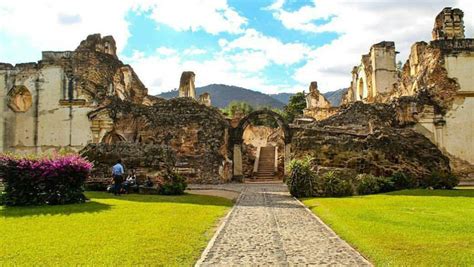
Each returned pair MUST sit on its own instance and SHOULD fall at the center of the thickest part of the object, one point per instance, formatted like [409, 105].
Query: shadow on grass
[184, 199]
[432, 193]
[88, 207]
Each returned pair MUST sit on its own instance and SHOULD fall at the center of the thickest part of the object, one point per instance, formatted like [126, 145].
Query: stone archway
[237, 139]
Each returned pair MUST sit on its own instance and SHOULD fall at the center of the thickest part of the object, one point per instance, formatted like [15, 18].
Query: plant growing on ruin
[440, 180]
[172, 183]
[370, 184]
[301, 179]
[331, 184]
[402, 180]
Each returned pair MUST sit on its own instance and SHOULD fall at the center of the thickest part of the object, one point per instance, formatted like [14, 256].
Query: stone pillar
[238, 174]
[439, 123]
[287, 157]
[186, 85]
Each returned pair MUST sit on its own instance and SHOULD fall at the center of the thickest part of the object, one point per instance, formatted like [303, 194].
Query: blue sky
[266, 45]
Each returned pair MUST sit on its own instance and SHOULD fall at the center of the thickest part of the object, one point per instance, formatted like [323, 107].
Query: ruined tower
[376, 74]
[205, 99]
[449, 24]
[186, 85]
[382, 57]
[314, 99]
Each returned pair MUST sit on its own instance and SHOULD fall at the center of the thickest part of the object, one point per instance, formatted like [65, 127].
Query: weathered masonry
[433, 91]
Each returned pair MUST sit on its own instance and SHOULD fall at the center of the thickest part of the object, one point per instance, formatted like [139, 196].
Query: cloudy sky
[266, 45]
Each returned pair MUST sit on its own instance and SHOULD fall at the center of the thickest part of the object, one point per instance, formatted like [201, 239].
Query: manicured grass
[405, 228]
[127, 230]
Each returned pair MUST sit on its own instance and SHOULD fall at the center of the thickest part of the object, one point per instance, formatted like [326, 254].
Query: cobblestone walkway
[268, 227]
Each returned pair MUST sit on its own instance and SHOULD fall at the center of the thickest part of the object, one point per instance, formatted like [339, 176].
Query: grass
[108, 230]
[405, 228]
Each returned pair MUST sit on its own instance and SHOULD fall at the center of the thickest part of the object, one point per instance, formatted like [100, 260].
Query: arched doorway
[237, 134]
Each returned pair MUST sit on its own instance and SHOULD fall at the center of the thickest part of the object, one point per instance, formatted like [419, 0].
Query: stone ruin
[186, 85]
[205, 99]
[433, 92]
[449, 24]
[317, 106]
[416, 120]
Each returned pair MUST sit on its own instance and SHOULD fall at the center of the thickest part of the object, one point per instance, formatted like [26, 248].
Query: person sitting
[131, 181]
[148, 182]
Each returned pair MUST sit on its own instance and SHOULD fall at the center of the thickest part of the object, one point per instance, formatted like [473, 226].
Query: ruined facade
[317, 106]
[434, 91]
[45, 104]
[376, 75]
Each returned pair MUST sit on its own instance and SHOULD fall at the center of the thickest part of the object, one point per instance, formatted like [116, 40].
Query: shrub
[330, 184]
[172, 184]
[48, 180]
[300, 182]
[403, 181]
[440, 180]
[370, 184]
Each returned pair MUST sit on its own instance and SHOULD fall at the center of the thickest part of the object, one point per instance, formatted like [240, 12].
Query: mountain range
[222, 95]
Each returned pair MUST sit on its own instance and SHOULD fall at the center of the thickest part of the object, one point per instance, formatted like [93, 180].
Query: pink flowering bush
[49, 180]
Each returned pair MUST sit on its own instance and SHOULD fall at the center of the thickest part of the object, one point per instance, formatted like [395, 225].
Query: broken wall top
[449, 24]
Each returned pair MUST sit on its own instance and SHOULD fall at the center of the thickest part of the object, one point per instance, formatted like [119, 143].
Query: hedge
[49, 180]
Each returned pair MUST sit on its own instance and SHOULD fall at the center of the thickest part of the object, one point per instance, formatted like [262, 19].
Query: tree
[238, 107]
[295, 106]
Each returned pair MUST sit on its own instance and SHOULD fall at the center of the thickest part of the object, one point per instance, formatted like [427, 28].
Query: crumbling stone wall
[148, 160]
[449, 24]
[367, 138]
[197, 133]
[317, 106]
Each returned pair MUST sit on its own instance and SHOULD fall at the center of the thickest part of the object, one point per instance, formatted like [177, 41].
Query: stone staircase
[266, 164]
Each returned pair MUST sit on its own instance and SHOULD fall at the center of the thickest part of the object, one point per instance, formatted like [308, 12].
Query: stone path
[268, 227]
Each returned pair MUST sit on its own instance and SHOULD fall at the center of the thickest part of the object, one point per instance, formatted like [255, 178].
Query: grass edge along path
[127, 230]
[405, 228]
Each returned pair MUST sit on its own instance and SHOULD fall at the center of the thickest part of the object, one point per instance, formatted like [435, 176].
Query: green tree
[238, 107]
[295, 106]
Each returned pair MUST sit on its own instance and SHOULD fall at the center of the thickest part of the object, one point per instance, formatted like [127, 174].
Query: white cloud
[194, 51]
[165, 51]
[60, 25]
[361, 24]
[274, 49]
[212, 16]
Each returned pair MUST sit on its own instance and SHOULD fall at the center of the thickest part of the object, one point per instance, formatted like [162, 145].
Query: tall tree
[295, 106]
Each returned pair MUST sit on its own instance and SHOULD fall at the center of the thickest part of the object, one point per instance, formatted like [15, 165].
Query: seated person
[148, 182]
[131, 181]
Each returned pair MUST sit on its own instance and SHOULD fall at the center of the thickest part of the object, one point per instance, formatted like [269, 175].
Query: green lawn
[108, 230]
[405, 228]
